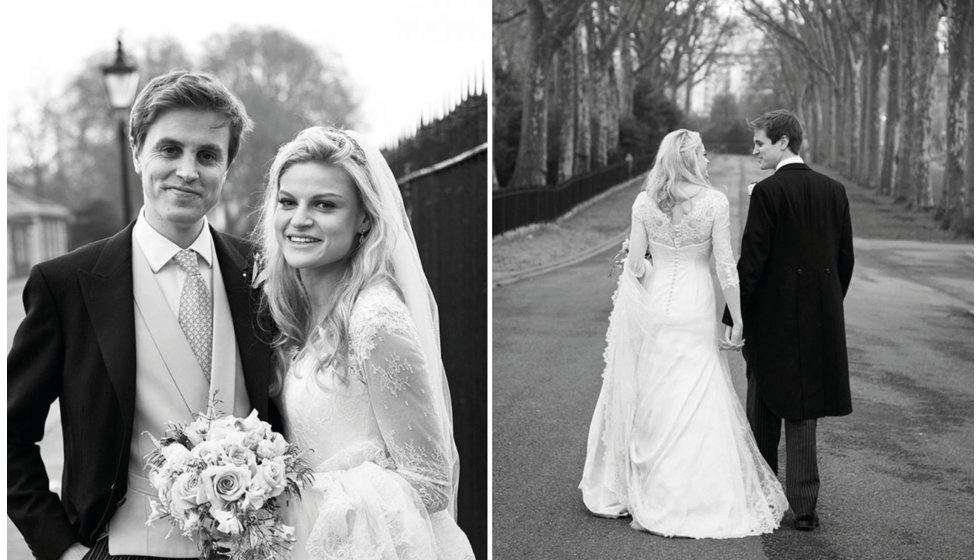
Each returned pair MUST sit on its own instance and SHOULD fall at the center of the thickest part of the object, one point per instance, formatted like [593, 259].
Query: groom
[132, 332]
[794, 269]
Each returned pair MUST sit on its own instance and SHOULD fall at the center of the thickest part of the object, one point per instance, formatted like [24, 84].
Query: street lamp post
[121, 81]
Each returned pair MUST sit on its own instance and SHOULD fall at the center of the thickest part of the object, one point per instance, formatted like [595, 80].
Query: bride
[669, 443]
[361, 382]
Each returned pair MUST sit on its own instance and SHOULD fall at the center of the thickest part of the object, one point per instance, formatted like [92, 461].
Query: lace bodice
[381, 401]
[707, 224]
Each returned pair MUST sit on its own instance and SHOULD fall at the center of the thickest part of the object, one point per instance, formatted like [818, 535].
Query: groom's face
[183, 164]
[768, 153]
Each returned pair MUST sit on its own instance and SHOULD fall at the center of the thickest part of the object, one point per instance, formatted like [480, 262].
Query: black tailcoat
[794, 270]
[77, 344]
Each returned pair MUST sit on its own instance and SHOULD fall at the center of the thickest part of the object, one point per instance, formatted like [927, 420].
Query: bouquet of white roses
[221, 479]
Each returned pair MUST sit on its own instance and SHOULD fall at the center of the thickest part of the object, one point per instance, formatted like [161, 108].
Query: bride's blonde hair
[676, 162]
[284, 295]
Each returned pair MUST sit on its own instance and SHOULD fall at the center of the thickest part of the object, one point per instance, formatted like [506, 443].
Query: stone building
[37, 230]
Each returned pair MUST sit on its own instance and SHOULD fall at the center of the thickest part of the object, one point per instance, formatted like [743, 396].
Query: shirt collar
[789, 160]
[159, 250]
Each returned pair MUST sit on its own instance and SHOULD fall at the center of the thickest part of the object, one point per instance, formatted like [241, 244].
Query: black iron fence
[447, 205]
[513, 208]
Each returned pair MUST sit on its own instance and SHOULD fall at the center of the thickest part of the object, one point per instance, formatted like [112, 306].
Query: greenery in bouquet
[619, 261]
[221, 481]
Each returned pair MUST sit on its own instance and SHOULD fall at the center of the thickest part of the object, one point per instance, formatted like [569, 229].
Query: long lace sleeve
[388, 356]
[721, 244]
[638, 238]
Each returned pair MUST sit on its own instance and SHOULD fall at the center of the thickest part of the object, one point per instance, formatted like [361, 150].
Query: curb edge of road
[511, 277]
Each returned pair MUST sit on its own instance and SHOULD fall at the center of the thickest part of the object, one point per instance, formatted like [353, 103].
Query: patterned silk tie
[195, 310]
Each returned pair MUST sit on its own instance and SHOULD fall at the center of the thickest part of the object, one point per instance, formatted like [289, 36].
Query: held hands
[732, 340]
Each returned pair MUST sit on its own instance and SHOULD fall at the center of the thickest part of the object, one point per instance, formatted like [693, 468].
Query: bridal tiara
[357, 154]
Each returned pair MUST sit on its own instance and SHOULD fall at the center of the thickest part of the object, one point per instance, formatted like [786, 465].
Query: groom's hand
[733, 337]
[76, 551]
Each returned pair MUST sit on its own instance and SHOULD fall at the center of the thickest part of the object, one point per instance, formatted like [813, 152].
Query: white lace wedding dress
[383, 483]
[669, 443]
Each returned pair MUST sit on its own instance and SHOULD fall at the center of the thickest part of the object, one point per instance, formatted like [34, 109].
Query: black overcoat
[77, 344]
[795, 266]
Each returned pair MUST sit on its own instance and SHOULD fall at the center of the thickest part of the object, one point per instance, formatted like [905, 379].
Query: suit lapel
[108, 294]
[254, 354]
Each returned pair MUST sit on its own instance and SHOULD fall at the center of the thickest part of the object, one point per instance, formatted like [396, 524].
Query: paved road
[897, 473]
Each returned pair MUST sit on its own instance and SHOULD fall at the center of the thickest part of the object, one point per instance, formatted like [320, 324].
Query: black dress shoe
[807, 522]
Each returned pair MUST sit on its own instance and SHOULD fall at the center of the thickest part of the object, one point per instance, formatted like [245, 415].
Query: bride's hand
[638, 267]
[733, 338]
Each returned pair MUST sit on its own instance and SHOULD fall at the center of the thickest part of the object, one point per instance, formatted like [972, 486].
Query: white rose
[279, 445]
[184, 496]
[175, 454]
[220, 432]
[239, 455]
[233, 438]
[224, 484]
[269, 478]
[265, 449]
[250, 423]
[750, 188]
[211, 452]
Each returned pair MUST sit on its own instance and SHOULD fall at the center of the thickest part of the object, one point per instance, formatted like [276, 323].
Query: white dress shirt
[789, 160]
[160, 252]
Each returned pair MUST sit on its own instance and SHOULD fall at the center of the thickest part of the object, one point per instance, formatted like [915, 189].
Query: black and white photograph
[732, 265]
[247, 280]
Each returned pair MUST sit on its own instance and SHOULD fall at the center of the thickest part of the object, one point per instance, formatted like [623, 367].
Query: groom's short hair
[780, 123]
[181, 89]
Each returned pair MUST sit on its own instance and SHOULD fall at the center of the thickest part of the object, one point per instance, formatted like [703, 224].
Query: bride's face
[318, 216]
[701, 160]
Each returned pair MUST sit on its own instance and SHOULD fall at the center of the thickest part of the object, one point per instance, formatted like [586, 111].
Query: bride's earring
[361, 235]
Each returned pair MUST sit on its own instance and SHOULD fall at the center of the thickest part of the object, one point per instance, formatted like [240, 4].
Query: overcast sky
[404, 58]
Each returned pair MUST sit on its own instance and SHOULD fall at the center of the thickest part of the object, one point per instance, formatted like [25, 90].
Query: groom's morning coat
[77, 344]
[794, 270]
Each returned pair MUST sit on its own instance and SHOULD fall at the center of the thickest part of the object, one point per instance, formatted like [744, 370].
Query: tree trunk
[612, 122]
[627, 83]
[531, 167]
[892, 113]
[904, 191]
[871, 160]
[958, 207]
[872, 121]
[583, 105]
[925, 63]
[566, 109]
[600, 151]
[855, 107]
[833, 138]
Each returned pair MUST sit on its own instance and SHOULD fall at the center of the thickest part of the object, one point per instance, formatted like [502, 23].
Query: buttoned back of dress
[680, 251]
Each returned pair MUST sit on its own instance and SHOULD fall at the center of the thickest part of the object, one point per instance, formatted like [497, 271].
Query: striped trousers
[100, 551]
[802, 477]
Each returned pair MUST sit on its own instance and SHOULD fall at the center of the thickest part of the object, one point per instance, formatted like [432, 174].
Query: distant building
[37, 230]
[727, 75]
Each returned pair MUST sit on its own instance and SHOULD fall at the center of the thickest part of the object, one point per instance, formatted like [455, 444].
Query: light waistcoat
[170, 388]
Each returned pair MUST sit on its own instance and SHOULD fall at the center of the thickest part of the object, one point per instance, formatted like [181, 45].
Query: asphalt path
[897, 474]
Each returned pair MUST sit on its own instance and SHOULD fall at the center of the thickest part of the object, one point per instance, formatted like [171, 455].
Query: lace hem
[369, 513]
